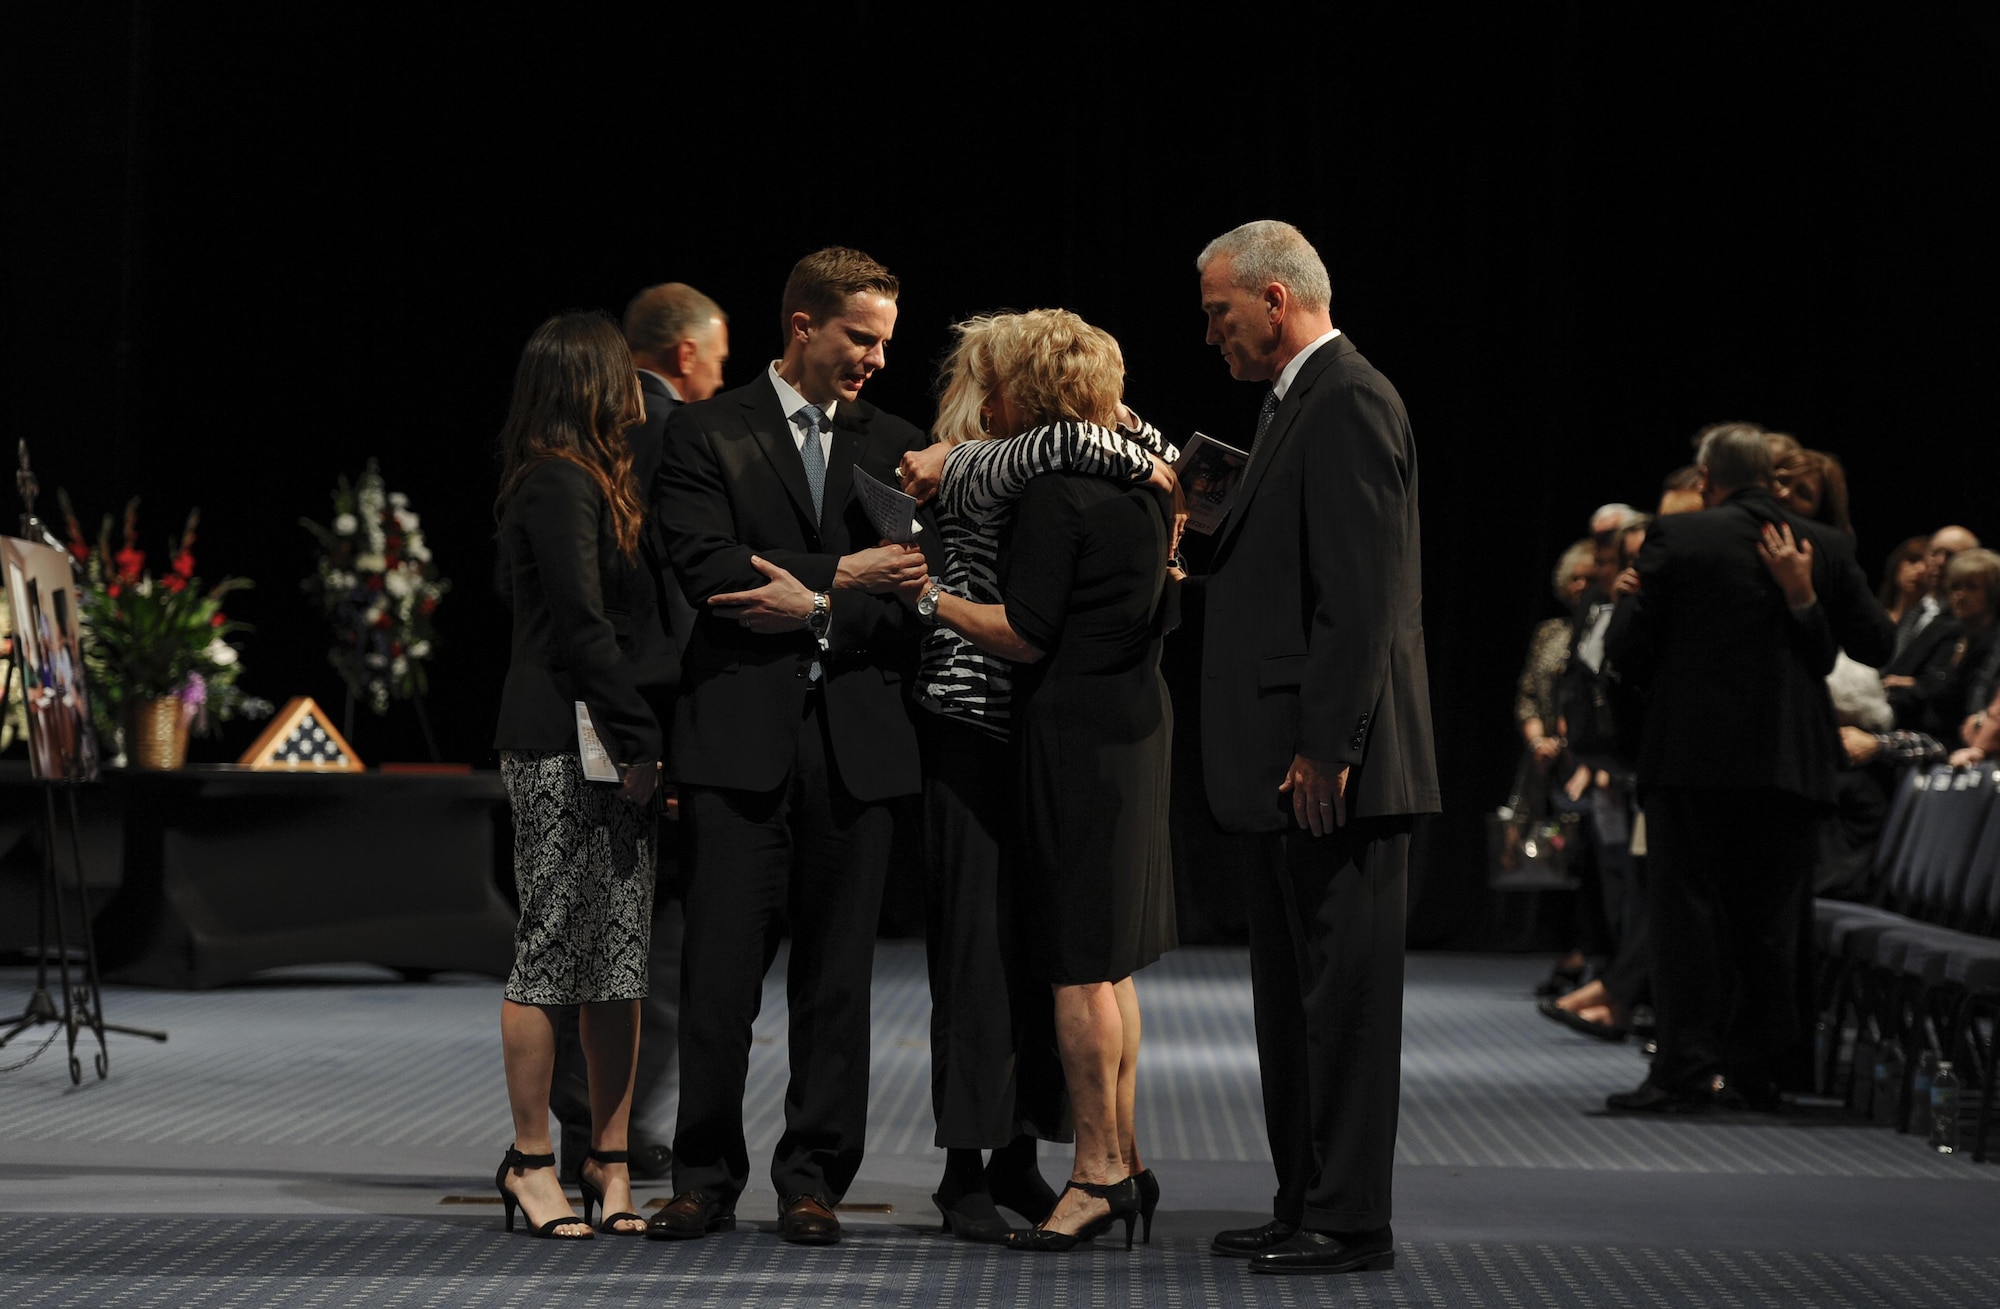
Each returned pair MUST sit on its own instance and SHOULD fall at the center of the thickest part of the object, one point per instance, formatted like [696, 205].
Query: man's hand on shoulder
[1319, 794]
[881, 569]
[780, 605]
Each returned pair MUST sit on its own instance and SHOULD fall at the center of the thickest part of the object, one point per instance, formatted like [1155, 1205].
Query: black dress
[1084, 578]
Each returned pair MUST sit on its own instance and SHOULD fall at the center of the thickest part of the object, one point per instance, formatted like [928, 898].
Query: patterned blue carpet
[328, 1138]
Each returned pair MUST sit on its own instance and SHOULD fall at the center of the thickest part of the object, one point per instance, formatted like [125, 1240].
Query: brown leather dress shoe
[689, 1215]
[807, 1220]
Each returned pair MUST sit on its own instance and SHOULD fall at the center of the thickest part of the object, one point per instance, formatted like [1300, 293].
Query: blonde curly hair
[1048, 362]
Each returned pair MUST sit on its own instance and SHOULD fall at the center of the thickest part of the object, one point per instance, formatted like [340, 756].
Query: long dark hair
[575, 396]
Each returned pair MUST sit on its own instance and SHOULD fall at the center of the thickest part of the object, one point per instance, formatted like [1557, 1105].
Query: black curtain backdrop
[249, 249]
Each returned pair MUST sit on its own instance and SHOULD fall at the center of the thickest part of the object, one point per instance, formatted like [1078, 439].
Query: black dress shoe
[689, 1215]
[650, 1163]
[1242, 1242]
[1651, 1098]
[1329, 1252]
[807, 1220]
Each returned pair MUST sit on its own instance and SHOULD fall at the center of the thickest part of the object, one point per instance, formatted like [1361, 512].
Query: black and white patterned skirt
[583, 865]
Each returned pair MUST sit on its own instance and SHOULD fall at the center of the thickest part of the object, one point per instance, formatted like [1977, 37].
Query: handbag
[1527, 847]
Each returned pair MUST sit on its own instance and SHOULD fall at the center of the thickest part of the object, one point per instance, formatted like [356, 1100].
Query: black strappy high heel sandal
[1123, 1197]
[1149, 1200]
[593, 1196]
[515, 1161]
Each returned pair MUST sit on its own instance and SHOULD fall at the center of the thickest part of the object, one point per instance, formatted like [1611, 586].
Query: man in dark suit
[679, 340]
[1740, 612]
[790, 739]
[1316, 737]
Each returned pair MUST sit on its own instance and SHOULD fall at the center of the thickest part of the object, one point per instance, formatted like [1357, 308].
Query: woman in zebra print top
[996, 1079]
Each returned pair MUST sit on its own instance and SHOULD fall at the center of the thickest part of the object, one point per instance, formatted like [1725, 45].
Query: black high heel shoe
[593, 1195]
[1123, 1197]
[515, 1161]
[1149, 1200]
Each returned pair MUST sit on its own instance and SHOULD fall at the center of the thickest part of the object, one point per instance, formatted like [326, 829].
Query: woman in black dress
[570, 516]
[1084, 580]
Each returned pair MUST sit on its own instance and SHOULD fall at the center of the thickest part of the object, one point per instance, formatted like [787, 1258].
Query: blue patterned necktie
[812, 456]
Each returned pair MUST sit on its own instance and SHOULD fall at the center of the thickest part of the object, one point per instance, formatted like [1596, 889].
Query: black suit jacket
[582, 615]
[1313, 607]
[661, 662]
[1736, 683]
[731, 485]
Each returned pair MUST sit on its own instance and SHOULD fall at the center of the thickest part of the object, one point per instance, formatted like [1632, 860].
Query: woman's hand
[1967, 757]
[1861, 746]
[1897, 682]
[878, 570]
[780, 605]
[922, 471]
[636, 782]
[913, 590]
[1789, 562]
[1578, 783]
[1627, 584]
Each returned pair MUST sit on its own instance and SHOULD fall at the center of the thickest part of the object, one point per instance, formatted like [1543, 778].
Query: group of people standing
[701, 594]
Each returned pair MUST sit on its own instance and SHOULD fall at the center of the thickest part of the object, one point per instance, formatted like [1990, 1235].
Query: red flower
[184, 565]
[427, 606]
[383, 620]
[216, 619]
[131, 563]
[174, 582]
[113, 590]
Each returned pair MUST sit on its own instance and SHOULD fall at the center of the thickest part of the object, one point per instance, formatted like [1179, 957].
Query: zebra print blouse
[982, 479]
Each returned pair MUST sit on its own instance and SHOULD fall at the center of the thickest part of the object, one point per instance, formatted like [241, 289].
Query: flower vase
[156, 734]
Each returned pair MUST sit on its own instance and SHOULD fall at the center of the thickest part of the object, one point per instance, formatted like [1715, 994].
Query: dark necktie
[1264, 417]
[812, 456]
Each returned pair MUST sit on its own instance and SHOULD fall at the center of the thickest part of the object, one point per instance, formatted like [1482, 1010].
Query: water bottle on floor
[1863, 1079]
[1944, 1109]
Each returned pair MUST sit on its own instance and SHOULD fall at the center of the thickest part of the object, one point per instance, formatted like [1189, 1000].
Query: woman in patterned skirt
[570, 514]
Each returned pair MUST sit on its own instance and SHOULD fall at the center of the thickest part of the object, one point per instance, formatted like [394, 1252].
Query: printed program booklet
[1209, 470]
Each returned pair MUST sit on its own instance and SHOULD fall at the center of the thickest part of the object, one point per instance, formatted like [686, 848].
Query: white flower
[221, 653]
[420, 650]
[344, 525]
[376, 661]
[398, 500]
[397, 582]
[399, 669]
[417, 550]
[370, 563]
[405, 520]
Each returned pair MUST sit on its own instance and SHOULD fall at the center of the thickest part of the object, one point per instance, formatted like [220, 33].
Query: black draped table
[224, 872]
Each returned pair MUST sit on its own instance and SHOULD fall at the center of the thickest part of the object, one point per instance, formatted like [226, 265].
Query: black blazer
[1737, 685]
[731, 485]
[582, 612]
[1313, 631]
[660, 675]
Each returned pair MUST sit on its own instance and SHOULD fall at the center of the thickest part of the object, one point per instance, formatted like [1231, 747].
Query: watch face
[927, 603]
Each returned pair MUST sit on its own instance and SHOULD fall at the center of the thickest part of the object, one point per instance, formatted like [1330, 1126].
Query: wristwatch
[927, 603]
[820, 621]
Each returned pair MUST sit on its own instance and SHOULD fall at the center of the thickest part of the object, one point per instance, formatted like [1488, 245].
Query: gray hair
[1621, 516]
[661, 317]
[1583, 552]
[1268, 251]
[1736, 455]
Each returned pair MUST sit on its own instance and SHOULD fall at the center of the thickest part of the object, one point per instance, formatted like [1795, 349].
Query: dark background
[247, 250]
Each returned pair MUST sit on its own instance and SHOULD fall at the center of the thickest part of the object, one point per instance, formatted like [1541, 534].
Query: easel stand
[82, 997]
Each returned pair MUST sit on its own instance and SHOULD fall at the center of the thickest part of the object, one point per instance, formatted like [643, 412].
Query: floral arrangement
[148, 637]
[378, 587]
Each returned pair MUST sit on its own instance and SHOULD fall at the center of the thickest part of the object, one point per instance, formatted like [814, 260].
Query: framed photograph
[41, 598]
